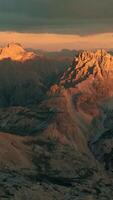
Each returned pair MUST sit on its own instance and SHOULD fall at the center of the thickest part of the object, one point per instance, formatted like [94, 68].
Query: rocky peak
[88, 65]
[16, 52]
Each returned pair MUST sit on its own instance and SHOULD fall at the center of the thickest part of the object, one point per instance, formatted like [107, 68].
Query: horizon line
[56, 42]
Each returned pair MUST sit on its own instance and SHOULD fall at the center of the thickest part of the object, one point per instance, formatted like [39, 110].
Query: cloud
[57, 16]
[53, 42]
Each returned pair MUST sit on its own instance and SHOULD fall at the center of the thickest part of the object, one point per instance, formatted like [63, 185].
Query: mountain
[62, 54]
[61, 147]
[26, 81]
[15, 51]
[88, 80]
[87, 89]
[88, 66]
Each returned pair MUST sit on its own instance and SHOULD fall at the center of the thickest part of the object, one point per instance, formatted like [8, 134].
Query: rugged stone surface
[88, 65]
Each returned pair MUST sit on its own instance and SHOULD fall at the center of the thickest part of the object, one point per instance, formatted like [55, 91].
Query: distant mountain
[16, 52]
[63, 54]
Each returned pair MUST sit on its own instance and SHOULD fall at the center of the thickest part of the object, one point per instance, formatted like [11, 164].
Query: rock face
[15, 51]
[88, 80]
[88, 65]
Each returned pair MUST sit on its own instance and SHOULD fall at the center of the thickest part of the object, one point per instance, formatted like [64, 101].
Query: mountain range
[61, 146]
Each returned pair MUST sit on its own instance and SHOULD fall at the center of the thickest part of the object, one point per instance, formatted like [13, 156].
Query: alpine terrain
[56, 138]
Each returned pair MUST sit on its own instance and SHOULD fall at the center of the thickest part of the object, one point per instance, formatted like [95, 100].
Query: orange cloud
[51, 42]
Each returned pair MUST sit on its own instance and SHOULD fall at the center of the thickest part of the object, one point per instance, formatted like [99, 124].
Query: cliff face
[88, 79]
[89, 65]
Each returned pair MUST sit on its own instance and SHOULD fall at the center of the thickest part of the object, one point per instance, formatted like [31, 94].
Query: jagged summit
[16, 52]
[88, 65]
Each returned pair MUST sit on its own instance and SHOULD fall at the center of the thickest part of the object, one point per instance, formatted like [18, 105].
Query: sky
[57, 24]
